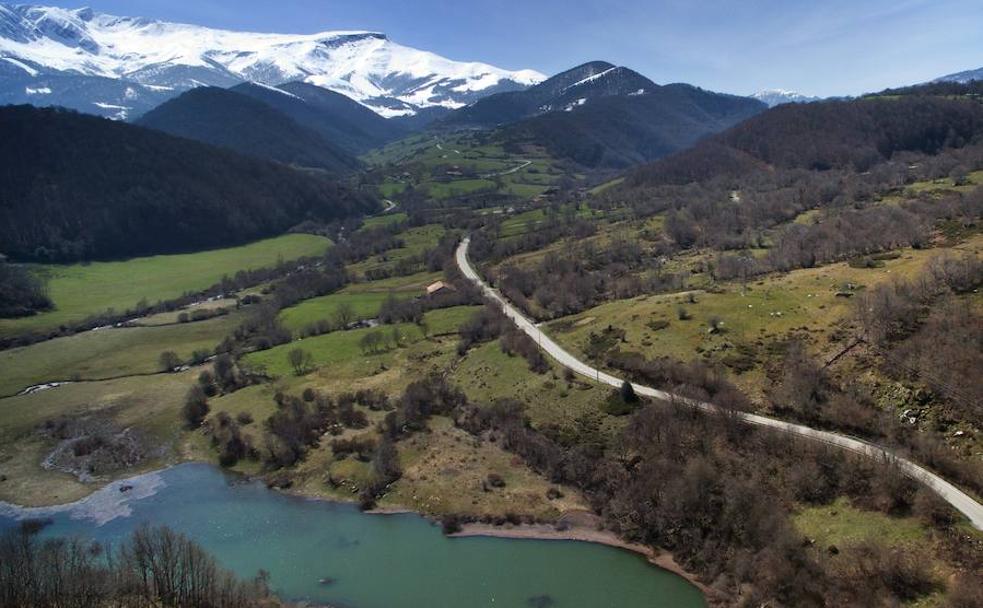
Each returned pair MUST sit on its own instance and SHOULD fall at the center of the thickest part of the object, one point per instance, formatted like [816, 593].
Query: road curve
[959, 500]
[522, 165]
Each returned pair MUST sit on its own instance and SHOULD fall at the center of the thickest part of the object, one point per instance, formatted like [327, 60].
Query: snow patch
[121, 112]
[21, 65]
[591, 78]
[571, 106]
[273, 88]
[37, 91]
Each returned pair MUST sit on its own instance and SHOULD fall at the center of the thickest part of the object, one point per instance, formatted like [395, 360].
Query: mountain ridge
[230, 119]
[136, 63]
[776, 97]
[570, 88]
[962, 77]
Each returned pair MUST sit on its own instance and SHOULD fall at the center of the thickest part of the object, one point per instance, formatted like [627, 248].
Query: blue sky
[821, 47]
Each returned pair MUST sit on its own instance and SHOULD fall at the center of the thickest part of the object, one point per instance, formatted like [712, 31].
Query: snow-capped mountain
[93, 61]
[776, 97]
[565, 91]
[962, 77]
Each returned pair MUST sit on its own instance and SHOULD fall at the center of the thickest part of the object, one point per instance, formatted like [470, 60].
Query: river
[370, 561]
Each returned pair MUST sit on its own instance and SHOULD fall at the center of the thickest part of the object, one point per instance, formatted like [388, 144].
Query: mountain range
[604, 116]
[122, 66]
[563, 92]
[776, 97]
[854, 134]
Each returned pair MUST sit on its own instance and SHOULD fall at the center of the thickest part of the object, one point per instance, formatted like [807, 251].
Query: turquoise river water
[374, 561]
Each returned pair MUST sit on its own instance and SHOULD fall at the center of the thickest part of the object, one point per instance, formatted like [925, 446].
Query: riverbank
[591, 534]
[328, 553]
[112, 499]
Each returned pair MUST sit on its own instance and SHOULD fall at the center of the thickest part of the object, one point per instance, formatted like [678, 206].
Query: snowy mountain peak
[962, 77]
[392, 79]
[776, 97]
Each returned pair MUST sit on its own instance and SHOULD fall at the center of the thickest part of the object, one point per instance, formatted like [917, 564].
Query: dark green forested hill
[855, 134]
[242, 123]
[605, 116]
[76, 187]
[340, 120]
[624, 130]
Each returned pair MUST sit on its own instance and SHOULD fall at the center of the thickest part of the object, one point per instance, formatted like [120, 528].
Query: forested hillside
[604, 116]
[853, 135]
[342, 121]
[239, 122]
[620, 131]
[77, 187]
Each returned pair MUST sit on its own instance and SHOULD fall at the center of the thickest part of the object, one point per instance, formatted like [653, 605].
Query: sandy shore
[587, 534]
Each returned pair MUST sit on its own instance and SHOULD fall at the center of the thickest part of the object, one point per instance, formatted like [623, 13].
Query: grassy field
[81, 290]
[486, 374]
[933, 187]
[842, 524]
[149, 404]
[459, 164]
[108, 353]
[383, 220]
[410, 285]
[416, 241]
[458, 187]
[444, 471]
[171, 317]
[364, 305]
[344, 347]
[802, 302]
[391, 189]
[606, 185]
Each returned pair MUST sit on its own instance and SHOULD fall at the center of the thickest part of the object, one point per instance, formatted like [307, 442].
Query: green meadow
[345, 347]
[363, 306]
[82, 290]
[108, 353]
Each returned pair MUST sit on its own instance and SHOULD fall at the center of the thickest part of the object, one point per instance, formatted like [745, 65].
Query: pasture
[82, 290]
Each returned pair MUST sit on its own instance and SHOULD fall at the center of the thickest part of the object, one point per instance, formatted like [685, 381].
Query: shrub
[244, 418]
[495, 480]
[169, 360]
[657, 324]
[195, 407]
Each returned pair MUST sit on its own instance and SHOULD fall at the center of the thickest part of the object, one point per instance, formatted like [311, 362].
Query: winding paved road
[522, 165]
[950, 493]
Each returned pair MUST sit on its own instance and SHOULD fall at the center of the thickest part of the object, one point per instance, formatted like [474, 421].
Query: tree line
[153, 567]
